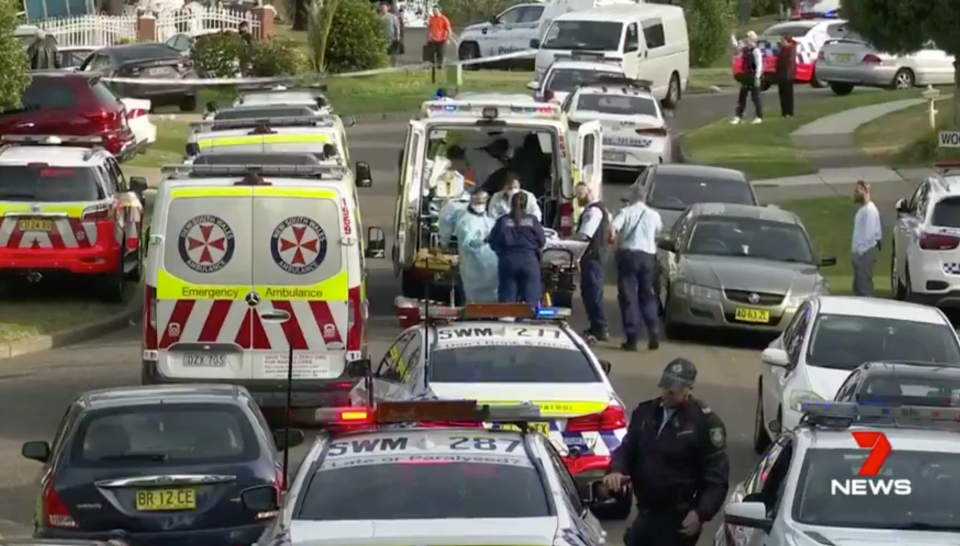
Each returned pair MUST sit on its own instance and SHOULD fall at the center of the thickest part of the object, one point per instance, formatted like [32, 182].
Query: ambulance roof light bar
[846, 414]
[325, 171]
[321, 120]
[490, 110]
[386, 413]
[52, 140]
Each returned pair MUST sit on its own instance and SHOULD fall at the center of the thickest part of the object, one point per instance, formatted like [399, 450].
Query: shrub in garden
[216, 55]
[709, 23]
[355, 41]
[277, 58]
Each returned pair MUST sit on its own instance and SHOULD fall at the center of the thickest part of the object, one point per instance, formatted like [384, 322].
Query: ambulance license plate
[615, 157]
[744, 314]
[36, 224]
[204, 360]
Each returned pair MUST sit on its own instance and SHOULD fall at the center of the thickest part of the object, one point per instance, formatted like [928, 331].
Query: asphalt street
[35, 389]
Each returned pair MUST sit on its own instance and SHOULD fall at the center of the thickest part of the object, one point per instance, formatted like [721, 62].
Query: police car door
[589, 157]
[501, 33]
[301, 269]
[203, 279]
[405, 218]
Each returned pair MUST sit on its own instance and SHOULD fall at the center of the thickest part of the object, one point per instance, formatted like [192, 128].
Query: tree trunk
[300, 14]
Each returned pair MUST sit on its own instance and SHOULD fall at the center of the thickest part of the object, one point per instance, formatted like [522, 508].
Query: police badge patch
[717, 437]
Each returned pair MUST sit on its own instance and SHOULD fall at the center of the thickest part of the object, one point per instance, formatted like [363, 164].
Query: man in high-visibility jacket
[438, 32]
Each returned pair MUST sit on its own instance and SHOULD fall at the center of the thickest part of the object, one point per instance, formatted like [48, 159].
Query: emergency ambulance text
[210, 293]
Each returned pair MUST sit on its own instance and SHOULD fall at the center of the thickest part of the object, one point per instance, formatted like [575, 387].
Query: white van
[649, 40]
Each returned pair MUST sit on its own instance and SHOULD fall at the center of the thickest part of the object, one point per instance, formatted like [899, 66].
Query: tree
[347, 37]
[319, 20]
[14, 74]
[904, 26]
[708, 27]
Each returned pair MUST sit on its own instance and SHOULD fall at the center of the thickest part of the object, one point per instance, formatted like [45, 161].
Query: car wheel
[904, 79]
[467, 52]
[136, 273]
[841, 89]
[816, 82]
[896, 287]
[673, 93]
[908, 289]
[112, 285]
[761, 440]
[617, 510]
[188, 104]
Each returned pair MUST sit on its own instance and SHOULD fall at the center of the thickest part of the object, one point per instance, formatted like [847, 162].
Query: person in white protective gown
[500, 202]
[478, 262]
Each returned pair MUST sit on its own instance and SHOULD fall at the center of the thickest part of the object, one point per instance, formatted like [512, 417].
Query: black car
[671, 188]
[151, 61]
[158, 465]
[902, 384]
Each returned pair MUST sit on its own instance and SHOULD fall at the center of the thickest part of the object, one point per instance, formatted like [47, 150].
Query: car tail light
[611, 418]
[139, 112]
[938, 241]
[653, 131]
[280, 482]
[99, 213]
[566, 219]
[105, 119]
[355, 320]
[55, 512]
[870, 58]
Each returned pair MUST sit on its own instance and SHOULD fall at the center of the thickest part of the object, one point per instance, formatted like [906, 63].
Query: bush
[468, 12]
[13, 58]
[216, 55]
[709, 23]
[356, 40]
[278, 58]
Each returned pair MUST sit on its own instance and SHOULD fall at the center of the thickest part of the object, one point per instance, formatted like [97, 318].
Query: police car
[635, 133]
[471, 353]
[250, 265]
[410, 479]
[563, 78]
[314, 98]
[923, 383]
[67, 208]
[864, 474]
[322, 135]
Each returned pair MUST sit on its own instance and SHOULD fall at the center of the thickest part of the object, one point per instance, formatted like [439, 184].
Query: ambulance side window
[388, 369]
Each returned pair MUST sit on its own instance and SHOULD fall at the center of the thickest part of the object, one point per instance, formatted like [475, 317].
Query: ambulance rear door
[406, 215]
[590, 156]
[204, 282]
[301, 269]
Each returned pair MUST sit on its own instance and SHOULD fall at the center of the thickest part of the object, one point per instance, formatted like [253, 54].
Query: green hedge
[222, 55]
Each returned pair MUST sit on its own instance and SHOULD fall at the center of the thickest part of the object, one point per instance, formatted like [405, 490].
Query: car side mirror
[902, 206]
[748, 514]
[262, 498]
[36, 451]
[364, 179]
[283, 442]
[667, 245]
[533, 86]
[534, 44]
[376, 243]
[828, 261]
[607, 366]
[138, 185]
[774, 356]
[359, 368]
[351, 121]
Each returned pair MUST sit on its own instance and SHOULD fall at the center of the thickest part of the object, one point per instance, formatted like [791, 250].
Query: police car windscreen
[750, 238]
[679, 191]
[912, 490]
[567, 79]
[508, 354]
[844, 342]
[265, 112]
[420, 475]
[258, 159]
[585, 36]
[619, 105]
[48, 184]
[172, 435]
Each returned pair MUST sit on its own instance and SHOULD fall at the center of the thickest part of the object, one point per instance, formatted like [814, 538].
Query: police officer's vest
[598, 247]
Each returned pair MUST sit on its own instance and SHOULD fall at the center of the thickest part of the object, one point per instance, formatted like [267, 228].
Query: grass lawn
[767, 151]
[905, 137]
[169, 147]
[34, 311]
[829, 221]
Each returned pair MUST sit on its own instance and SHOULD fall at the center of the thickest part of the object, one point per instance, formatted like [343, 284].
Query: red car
[71, 104]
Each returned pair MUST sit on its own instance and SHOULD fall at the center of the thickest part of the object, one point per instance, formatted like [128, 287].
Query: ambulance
[248, 265]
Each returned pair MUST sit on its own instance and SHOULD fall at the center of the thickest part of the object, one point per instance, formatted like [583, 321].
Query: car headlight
[799, 397]
[696, 291]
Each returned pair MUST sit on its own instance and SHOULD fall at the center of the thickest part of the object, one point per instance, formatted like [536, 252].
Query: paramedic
[478, 262]
[634, 230]
[594, 227]
[751, 76]
[674, 455]
[501, 202]
[518, 239]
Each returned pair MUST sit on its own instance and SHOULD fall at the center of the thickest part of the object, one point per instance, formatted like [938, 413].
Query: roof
[135, 47]
[481, 333]
[616, 13]
[60, 156]
[901, 438]
[155, 394]
[949, 183]
[390, 441]
[731, 210]
[879, 308]
[705, 171]
[289, 182]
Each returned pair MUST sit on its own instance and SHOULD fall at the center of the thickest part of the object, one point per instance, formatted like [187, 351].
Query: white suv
[828, 338]
[925, 266]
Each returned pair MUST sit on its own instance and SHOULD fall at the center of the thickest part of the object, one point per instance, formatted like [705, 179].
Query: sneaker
[735, 121]
[757, 121]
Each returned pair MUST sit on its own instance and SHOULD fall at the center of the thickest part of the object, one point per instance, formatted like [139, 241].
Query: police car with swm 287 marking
[426, 472]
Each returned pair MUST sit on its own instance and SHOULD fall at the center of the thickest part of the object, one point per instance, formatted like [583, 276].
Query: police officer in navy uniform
[674, 455]
[594, 228]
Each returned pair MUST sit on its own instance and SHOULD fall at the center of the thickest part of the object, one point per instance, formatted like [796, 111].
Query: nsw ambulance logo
[206, 243]
[298, 245]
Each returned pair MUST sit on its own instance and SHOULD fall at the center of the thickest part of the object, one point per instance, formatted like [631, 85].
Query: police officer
[594, 227]
[635, 230]
[518, 239]
[674, 456]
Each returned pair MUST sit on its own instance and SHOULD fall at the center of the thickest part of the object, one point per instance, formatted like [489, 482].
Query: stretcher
[559, 262]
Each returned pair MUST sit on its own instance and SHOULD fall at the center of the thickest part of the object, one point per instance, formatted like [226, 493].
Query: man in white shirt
[635, 229]
[867, 235]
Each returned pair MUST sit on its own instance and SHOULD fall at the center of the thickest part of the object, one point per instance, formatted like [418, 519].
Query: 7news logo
[869, 483]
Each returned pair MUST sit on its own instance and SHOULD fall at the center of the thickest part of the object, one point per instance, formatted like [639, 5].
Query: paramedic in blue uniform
[594, 228]
[674, 456]
[518, 240]
[634, 231]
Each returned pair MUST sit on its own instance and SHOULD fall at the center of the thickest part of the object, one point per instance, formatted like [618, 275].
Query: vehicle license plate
[36, 224]
[542, 428]
[160, 71]
[152, 500]
[842, 57]
[204, 360]
[616, 157]
[745, 314]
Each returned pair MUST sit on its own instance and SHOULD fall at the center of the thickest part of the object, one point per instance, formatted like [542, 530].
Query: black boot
[653, 342]
[630, 345]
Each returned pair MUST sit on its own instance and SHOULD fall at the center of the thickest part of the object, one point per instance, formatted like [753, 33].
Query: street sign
[949, 139]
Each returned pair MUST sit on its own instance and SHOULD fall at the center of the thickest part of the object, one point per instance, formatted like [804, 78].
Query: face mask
[513, 191]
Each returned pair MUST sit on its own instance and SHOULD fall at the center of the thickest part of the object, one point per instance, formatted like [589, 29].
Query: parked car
[59, 102]
[71, 58]
[149, 61]
[850, 61]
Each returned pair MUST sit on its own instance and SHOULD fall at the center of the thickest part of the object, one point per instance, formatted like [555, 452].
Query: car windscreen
[947, 213]
[913, 490]
[261, 159]
[750, 238]
[465, 483]
[679, 191]
[844, 342]
[171, 434]
[49, 184]
[774, 33]
[619, 105]
[927, 390]
[583, 36]
[565, 80]
[265, 112]
[510, 364]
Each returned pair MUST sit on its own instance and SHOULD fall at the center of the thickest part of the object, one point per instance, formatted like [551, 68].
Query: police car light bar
[426, 411]
[322, 120]
[844, 414]
[51, 140]
[322, 170]
[490, 110]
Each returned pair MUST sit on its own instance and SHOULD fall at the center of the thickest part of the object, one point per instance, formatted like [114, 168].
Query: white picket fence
[105, 30]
